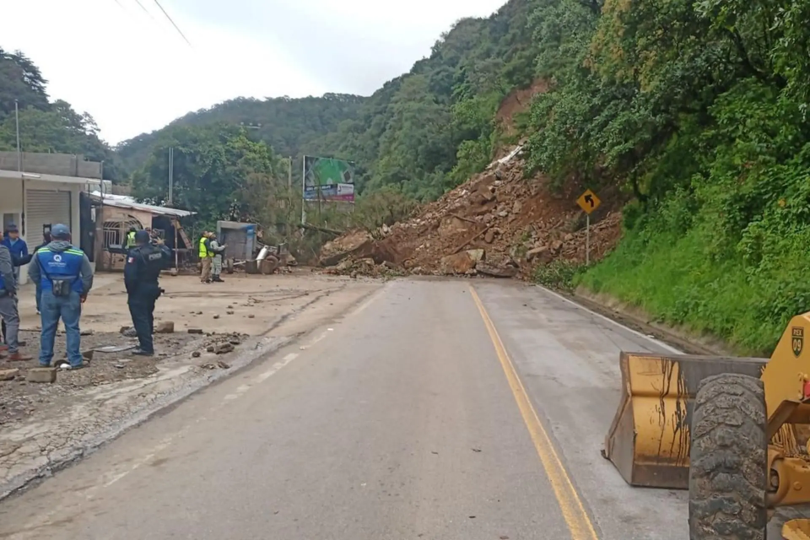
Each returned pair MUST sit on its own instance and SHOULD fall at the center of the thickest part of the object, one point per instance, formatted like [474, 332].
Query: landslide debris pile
[497, 224]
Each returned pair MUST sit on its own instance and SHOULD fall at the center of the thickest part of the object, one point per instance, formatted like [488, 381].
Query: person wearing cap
[141, 274]
[17, 247]
[216, 265]
[66, 277]
[8, 307]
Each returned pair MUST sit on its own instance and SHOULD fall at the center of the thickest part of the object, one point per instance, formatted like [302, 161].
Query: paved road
[433, 411]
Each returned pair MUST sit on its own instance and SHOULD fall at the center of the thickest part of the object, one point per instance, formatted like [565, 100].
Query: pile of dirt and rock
[497, 224]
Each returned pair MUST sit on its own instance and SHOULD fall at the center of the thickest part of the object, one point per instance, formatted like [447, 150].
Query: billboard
[328, 179]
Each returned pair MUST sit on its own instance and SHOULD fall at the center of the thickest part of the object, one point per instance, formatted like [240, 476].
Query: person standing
[206, 256]
[66, 277]
[8, 307]
[216, 264]
[17, 247]
[130, 238]
[141, 273]
[46, 236]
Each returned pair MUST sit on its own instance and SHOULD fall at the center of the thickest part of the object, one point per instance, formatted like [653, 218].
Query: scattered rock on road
[223, 348]
[165, 327]
[128, 331]
[8, 374]
[195, 331]
[506, 271]
[42, 375]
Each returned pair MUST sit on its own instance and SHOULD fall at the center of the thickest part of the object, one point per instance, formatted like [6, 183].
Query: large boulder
[338, 249]
[459, 263]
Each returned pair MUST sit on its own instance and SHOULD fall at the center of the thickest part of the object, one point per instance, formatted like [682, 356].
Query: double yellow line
[573, 510]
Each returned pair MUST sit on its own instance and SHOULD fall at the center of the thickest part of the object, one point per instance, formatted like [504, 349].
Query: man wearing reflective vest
[65, 275]
[206, 257]
[130, 239]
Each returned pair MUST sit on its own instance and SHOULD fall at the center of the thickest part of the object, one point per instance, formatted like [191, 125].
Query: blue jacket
[72, 265]
[19, 250]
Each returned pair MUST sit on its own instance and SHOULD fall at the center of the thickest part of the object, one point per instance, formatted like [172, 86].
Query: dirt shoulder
[46, 426]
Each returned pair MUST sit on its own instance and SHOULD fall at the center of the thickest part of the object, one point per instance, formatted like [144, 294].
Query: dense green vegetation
[45, 126]
[292, 127]
[219, 173]
[699, 108]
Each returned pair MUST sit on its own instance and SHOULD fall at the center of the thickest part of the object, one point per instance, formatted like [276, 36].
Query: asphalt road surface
[436, 410]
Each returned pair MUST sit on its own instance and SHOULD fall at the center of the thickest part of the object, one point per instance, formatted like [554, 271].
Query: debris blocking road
[497, 224]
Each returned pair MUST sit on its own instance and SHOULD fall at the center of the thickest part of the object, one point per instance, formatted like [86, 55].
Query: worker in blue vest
[46, 239]
[141, 273]
[65, 275]
[17, 247]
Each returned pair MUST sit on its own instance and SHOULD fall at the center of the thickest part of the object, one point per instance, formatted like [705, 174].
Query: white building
[34, 201]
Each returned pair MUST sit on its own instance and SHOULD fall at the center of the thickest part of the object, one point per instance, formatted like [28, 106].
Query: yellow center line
[570, 504]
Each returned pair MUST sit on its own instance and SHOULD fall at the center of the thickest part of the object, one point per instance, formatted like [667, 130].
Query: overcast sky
[132, 71]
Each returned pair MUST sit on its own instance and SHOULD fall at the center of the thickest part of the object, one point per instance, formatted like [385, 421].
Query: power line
[145, 10]
[173, 24]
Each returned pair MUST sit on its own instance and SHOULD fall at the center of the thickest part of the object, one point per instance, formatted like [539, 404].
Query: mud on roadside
[19, 398]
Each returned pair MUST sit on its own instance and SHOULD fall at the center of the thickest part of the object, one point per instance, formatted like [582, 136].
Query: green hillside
[699, 110]
[290, 126]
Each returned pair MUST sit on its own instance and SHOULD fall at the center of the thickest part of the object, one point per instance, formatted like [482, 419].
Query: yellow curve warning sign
[588, 201]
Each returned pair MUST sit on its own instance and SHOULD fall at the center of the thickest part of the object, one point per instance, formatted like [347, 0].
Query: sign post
[589, 202]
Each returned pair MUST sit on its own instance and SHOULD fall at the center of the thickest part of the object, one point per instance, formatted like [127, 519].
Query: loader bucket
[648, 441]
[796, 529]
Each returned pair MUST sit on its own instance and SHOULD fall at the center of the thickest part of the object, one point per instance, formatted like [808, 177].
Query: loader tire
[728, 474]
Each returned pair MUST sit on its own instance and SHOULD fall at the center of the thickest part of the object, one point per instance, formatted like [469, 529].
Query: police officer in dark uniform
[144, 263]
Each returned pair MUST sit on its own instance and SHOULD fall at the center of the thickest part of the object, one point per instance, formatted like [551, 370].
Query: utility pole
[171, 175]
[19, 166]
[289, 174]
[17, 119]
[303, 189]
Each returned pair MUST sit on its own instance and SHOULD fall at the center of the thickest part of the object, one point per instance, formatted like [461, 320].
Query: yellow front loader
[734, 431]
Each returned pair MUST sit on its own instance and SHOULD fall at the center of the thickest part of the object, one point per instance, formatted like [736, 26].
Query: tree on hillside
[20, 80]
[292, 127]
[219, 172]
[61, 129]
[45, 126]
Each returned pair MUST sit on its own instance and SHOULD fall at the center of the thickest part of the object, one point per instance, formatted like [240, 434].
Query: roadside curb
[185, 387]
[662, 337]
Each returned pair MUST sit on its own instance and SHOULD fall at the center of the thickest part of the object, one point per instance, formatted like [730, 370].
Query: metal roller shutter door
[45, 208]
